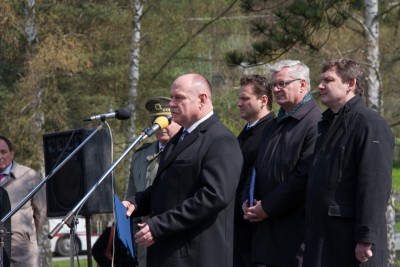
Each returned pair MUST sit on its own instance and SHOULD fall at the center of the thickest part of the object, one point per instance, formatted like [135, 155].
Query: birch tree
[374, 85]
[30, 29]
[371, 29]
[137, 8]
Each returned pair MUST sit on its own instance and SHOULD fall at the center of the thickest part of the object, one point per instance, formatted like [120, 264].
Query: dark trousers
[242, 259]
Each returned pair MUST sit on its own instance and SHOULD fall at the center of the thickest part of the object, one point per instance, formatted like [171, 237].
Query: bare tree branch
[191, 38]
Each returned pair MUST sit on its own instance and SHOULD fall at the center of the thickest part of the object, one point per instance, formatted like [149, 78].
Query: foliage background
[62, 61]
[77, 64]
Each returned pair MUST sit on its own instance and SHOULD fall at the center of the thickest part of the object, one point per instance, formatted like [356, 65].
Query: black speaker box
[66, 187]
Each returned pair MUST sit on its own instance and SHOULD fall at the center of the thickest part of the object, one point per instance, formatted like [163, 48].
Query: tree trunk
[390, 221]
[30, 30]
[373, 69]
[137, 8]
[374, 83]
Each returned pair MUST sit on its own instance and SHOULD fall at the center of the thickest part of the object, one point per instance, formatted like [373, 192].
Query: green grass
[396, 188]
[66, 263]
[396, 178]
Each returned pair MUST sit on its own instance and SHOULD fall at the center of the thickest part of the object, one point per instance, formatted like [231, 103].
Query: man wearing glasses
[281, 170]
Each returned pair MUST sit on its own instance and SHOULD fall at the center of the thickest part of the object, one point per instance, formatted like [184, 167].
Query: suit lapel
[172, 150]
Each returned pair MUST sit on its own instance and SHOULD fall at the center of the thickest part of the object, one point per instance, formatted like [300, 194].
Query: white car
[60, 243]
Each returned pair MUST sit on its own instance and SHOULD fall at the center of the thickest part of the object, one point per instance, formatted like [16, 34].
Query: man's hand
[254, 213]
[144, 236]
[130, 208]
[363, 251]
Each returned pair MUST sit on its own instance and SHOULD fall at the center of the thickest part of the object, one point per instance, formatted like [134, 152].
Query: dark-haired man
[350, 179]
[255, 104]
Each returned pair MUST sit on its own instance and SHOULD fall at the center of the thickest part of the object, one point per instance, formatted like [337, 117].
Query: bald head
[195, 82]
[190, 99]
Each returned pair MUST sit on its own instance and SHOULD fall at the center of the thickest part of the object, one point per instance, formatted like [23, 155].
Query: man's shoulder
[267, 119]
[19, 171]
[21, 168]
[313, 113]
[145, 146]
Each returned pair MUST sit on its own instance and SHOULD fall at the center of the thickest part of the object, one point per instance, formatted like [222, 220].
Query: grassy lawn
[396, 178]
[66, 263]
[396, 188]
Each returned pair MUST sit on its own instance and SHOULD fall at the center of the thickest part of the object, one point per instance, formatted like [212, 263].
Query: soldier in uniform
[144, 163]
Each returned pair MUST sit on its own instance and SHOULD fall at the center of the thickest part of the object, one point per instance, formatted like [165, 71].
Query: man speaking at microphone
[190, 202]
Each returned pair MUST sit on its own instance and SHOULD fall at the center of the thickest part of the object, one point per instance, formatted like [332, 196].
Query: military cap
[158, 106]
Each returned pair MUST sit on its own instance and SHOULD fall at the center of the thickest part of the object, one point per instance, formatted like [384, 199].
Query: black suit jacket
[191, 201]
[249, 141]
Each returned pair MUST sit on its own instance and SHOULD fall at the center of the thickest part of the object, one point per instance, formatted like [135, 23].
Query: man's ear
[352, 83]
[264, 100]
[203, 99]
[303, 85]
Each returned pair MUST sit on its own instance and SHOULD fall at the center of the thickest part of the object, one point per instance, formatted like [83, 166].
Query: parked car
[60, 243]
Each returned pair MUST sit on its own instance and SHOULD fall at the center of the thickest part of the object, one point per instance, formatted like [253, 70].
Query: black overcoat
[191, 201]
[349, 187]
[283, 163]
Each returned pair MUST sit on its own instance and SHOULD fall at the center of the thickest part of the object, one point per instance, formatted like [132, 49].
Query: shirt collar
[282, 114]
[6, 175]
[197, 123]
[7, 171]
[160, 146]
[253, 124]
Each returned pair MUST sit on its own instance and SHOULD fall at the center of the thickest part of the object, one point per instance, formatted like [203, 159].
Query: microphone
[160, 122]
[120, 114]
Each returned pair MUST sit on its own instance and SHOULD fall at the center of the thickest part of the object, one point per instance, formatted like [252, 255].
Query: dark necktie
[1, 176]
[183, 135]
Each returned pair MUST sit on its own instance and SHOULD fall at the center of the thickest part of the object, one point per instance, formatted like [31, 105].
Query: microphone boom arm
[70, 215]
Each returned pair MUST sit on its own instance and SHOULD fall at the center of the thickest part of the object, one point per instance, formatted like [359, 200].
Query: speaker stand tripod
[68, 218]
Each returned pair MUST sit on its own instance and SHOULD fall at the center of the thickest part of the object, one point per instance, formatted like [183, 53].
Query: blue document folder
[251, 189]
[124, 225]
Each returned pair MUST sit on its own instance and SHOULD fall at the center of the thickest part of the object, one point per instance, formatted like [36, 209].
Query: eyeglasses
[282, 84]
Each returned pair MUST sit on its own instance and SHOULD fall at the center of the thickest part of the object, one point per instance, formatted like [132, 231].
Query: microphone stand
[68, 218]
[3, 233]
[34, 190]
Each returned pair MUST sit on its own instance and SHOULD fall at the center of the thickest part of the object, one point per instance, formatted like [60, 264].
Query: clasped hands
[143, 236]
[254, 213]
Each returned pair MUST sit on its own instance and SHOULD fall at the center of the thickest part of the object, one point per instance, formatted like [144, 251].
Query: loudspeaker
[66, 188]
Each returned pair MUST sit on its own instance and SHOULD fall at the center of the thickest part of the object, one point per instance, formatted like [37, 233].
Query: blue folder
[124, 225]
[251, 189]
